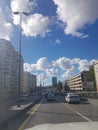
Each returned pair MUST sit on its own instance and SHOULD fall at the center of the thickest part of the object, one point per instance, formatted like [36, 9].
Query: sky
[59, 37]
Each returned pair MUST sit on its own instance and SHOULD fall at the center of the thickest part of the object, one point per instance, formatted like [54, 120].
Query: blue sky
[59, 37]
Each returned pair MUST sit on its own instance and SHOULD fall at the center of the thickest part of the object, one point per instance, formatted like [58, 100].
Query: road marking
[78, 113]
[30, 116]
[72, 109]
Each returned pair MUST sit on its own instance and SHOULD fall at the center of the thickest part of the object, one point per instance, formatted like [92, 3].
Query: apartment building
[76, 82]
[96, 73]
[9, 67]
[29, 82]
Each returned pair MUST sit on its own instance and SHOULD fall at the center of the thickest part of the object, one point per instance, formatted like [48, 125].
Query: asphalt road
[54, 112]
[60, 112]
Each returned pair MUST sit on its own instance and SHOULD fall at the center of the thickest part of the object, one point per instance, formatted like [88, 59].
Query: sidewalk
[9, 108]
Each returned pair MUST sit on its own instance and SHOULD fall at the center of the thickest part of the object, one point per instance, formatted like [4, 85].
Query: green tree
[90, 76]
[66, 87]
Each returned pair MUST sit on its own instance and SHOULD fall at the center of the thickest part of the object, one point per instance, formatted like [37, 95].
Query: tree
[90, 75]
[66, 87]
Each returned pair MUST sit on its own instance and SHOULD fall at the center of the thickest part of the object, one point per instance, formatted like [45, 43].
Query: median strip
[30, 116]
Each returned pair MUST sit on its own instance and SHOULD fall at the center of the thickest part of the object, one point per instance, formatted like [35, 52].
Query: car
[72, 98]
[50, 97]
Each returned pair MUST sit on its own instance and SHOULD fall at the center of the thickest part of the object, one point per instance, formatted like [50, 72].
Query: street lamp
[20, 14]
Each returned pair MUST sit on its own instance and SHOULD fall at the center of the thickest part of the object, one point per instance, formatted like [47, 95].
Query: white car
[72, 98]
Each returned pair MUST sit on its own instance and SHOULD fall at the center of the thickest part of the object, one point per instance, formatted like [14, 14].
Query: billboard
[88, 85]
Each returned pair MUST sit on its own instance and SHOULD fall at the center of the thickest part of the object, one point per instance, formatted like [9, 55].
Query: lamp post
[19, 87]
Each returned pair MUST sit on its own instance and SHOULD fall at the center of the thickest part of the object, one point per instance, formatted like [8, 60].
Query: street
[60, 112]
[56, 112]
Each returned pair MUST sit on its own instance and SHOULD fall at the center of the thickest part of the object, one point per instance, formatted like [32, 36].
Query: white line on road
[72, 109]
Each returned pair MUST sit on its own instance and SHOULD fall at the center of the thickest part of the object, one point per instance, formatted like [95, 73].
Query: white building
[96, 73]
[9, 67]
[29, 82]
[76, 82]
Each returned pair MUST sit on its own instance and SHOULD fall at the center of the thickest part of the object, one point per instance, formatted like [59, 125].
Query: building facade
[54, 81]
[9, 67]
[96, 73]
[29, 82]
[76, 82]
[34, 82]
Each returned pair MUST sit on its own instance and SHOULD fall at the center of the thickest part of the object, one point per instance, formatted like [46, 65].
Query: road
[54, 112]
[60, 112]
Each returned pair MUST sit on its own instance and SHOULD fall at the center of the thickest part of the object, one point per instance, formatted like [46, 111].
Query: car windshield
[48, 63]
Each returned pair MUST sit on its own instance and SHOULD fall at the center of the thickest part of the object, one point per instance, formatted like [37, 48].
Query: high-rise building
[54, 81]
[9, 67]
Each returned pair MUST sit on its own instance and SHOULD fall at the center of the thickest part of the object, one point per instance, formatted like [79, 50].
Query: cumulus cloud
[63, 67]
[28, 67]
[85, 64]
[52, 72]
[75, 14]
[20, 6]
[5, 27]
[42, 64]
[33, 24]
[63, 62]
[67, 74]
[36, 24]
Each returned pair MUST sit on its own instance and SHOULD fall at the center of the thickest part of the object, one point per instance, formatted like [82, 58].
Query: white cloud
[63, 67]
[41, 77]
[5, 27]
[52, 72]
[36, 24]
[75, 14]
[27, 67]
[67, 74]
[42, 64]
[63, 62]
[20, 6]
[33, 24]
[84, 65]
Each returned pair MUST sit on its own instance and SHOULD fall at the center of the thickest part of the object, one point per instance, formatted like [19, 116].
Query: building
[54, 81]
[9, 68]
[29, 82]
[76, 82]
[34, 82]
[96, 73]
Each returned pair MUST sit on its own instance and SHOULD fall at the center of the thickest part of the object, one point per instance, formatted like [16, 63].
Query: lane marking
[78, 113]
[30, 116]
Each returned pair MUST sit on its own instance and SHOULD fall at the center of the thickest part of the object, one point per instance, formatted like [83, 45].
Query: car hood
[67, 126]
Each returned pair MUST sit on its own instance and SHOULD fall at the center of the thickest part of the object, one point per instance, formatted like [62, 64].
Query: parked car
[72, 98]
[50, 97]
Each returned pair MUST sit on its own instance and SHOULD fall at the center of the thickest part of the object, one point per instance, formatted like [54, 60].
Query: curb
[18, 112]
